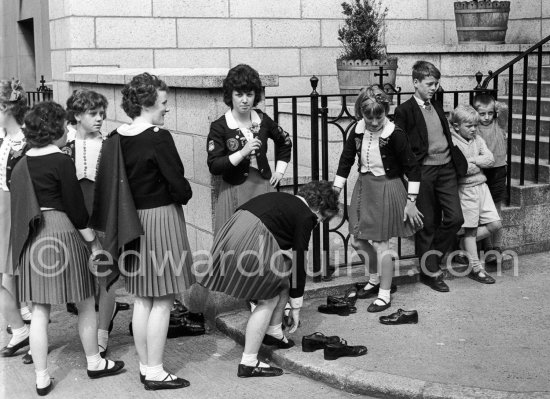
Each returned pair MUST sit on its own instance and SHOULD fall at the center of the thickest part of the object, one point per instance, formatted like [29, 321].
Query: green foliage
[360, 36]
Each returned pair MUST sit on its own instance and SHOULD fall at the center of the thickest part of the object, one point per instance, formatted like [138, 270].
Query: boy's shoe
[340, 349]
[481, 279]
[315, 341]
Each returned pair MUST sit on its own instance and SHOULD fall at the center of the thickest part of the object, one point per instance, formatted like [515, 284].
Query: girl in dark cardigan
[49, 241]
[380, 207]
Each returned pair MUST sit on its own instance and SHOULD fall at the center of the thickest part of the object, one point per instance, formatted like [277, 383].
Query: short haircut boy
[422, 69]
[464, 114]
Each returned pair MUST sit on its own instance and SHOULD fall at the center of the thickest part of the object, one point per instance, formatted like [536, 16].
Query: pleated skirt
[54, 266]
[231, 197]
[6, 266]
[377, 208]
[247, 260]
[160, 262]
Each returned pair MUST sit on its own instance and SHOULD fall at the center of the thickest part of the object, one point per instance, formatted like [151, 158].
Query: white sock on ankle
[42, 378]
[252, 360]
[103, 339]
[157, 373]
[374, 279]
[18, 335]
[142, 368]
[384, 295]
[96, 362]
[25, 313]
[276, 331]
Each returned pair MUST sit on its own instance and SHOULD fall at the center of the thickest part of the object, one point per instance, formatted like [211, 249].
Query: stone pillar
[195, 100]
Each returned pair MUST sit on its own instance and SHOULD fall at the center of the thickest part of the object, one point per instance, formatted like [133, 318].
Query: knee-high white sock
[102, 339]
[251, 359]
[42, 378]
[25, 313]
[18, 335]
[276, 331]
[96, 362]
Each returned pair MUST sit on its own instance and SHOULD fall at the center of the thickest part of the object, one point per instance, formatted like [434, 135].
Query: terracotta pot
[481, 21]
[353, 75]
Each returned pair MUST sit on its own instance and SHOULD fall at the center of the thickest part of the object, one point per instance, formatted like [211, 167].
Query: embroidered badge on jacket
[211, 146]
[232, 144]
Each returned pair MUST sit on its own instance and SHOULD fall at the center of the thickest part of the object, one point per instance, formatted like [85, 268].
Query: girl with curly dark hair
[140, 190]
[13, 105]
[380, 207]
[251, 260]
[237, 145]
[52, 254]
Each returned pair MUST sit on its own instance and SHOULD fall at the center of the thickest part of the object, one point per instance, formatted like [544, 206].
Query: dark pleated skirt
[87, 187]
[54, 265]
[247, 260]
[161, 261]
[377, 208]
[6, 264]
[231, 197]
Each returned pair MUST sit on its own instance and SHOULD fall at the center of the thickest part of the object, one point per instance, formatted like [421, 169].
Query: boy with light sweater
[481, 218]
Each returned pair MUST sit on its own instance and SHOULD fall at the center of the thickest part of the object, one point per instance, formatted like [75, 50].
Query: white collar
[420, 102]
[134, 129]
[232, 122]
[47, 150]
[389, 127]
[19, 136]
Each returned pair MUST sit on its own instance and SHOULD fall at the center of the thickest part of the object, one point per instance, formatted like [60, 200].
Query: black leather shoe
[279, 343]
[119, 306]
[315, 341]
[167, 383]
[141, 378]
[435, 283]
[185, 327]
[481, 279]
[12, 350]
[117, 368]
[251, 371]
[27, 358]
[362, 293]
[340, 349]
[71, 308]
[461, 259]
[350, 296]
[44, 391]
[373, 307]
[339, 308]
[400, 317]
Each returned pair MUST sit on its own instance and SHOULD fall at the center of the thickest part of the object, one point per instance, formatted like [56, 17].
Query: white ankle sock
[42, 378]
[252, 360]
[374, 279]
[25, 313]
[142, 368]
[276, 331]
[157, 373]
[384, 295]
[18, 335]
[102, 339]
[96, 362]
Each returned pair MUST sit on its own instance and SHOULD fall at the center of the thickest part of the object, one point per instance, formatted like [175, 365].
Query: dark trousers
[439, 203]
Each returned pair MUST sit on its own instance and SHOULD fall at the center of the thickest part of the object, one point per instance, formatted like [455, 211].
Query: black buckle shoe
[371, 292]
[279, 343]
[315, 341]
[256, 371]
[400, 317]
[12, 350]
[481, 279]
[341, 349]
[46, 390]
[339, 308]
[373, 307]
[170, 383]
[435, 283]
[350, 296]
[117, 368]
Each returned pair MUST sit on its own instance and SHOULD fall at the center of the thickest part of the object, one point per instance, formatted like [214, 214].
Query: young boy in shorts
[492, 128]
[480, 214]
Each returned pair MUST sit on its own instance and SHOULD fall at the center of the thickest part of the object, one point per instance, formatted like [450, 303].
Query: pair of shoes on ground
[256, 371]
[400, 317]
[333, 346]
[342, 306]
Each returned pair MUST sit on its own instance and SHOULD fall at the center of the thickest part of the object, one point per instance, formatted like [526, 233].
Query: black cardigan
[223, 141]
[396, 154]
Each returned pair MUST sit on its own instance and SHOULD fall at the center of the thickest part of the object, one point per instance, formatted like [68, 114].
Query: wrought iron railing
[42, 93]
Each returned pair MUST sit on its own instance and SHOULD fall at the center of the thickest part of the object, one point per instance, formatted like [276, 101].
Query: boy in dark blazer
[427, 129]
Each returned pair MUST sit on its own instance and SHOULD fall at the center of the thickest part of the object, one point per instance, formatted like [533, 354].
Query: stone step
[532, 73]
[517, 105]
[515, 169]
[530, 146]
[530, 193]
[532, 88]
[531, 124]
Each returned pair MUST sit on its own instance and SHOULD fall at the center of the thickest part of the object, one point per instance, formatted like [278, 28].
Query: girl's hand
[295, 316]
[413, 215]
[250, 146]
[276, 178]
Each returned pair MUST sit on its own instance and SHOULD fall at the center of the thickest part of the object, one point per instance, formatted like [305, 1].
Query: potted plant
[363, 50]
[481, 21]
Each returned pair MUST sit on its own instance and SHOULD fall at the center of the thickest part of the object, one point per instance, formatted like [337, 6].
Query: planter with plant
[481, 21]
[363, 50]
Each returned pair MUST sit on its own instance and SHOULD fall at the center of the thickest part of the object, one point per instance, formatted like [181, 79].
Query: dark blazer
[224, 141]
[408, 116]
[13, 158]
[396, 154]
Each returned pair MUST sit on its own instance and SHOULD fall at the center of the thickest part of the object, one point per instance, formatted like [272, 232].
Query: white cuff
[88, 234]
[296, 303]
[236, 158]
[281, 167]
[414, 187]
[339, 181]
